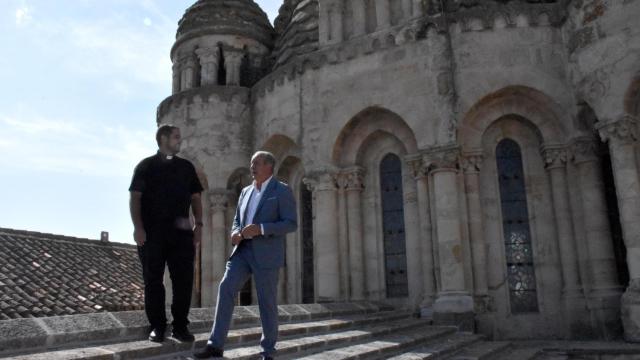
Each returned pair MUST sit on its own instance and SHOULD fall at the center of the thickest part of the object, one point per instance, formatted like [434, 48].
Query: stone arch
[549, 118]
[238, 179]
[368, 122]
[281, 146]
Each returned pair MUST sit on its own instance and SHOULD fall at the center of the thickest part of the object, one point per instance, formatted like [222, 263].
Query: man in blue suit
[266, 212]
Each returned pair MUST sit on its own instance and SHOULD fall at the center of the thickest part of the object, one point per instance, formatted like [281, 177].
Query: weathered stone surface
[21, 333]
[82, 328]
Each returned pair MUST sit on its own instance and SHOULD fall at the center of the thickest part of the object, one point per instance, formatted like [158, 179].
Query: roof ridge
[59, 237]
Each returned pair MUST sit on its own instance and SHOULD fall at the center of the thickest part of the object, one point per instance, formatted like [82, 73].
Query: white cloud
[147, 22]
[23, 15]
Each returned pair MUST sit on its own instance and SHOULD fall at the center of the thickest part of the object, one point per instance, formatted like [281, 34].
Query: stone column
[187, 74]
[359, 17]
[355, 186]
[209, 62]
[383, 14]
[622, 137]
[175, 84]
[336, 12]
[232, 63]
[471, 163]
[420, 174]
[454, 304]
[325, 236]
[604, 297]
[555, 159]
[343, 236]
[213, 257]
[418, 9]
[407, 8]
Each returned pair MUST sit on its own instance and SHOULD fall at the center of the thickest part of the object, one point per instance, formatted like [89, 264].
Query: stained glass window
[395, 252]
[515, 224]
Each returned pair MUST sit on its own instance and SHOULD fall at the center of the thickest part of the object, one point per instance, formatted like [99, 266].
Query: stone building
[476, 160]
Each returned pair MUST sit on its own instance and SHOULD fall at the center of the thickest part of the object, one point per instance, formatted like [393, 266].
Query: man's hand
[251, 231]
[236, 238]
[197, 235]
[140, 236]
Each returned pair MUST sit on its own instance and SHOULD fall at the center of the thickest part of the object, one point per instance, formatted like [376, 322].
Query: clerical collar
[164, 156]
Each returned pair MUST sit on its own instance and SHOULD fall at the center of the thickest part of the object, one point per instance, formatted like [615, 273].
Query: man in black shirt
[163, 188]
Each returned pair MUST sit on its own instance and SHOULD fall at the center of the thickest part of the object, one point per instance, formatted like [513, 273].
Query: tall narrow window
[395, 253]
[517, 233]
[307, 244]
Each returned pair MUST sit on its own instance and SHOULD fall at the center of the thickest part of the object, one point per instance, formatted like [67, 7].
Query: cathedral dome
[225, 17]
[297, 29]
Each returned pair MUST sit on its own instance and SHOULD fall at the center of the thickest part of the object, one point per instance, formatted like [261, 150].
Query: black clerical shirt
[166, 184]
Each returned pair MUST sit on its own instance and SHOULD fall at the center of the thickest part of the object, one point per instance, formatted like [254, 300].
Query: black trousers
[174, 248]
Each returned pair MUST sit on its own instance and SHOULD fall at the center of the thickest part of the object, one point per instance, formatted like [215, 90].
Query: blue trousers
[241, 265]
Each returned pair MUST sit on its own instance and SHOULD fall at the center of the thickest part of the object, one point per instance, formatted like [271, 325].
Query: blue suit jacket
[276, 212]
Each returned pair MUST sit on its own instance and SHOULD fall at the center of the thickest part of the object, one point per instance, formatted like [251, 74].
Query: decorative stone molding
[416, 165]
[472, 162]
[554, 156]
[622, 131]
[202, 94]
[443, 158]
[232, 63]
[218, 199]
[584, 149]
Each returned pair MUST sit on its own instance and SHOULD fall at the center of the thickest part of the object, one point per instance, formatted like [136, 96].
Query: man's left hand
[197, 235]
[251, 231]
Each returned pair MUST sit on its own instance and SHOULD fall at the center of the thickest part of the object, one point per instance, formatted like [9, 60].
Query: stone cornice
[442, 158]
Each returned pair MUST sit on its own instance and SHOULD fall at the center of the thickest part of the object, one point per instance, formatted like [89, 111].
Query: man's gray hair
[267, 157]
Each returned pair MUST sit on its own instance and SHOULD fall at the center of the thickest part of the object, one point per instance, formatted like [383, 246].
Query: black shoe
[207, 352]
[157, 335]
[183, 335]
[266, 357]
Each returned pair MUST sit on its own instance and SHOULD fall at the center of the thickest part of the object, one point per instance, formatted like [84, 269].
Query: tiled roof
[51, 275]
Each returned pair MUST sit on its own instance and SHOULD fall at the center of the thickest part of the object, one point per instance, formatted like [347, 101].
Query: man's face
[172, 143]
[260, 170]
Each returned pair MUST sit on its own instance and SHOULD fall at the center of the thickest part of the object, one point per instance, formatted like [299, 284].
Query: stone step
[240, 336]
[26, 336]
[386, 346]
[521, 353]
[443, 349]
[484, 350]
[296, 348]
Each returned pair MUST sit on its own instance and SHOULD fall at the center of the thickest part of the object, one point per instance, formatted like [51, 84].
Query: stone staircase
[362, 330]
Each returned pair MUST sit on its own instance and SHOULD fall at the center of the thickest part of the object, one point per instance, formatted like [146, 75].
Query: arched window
[517, 233]
[395, 253]
[306, 214]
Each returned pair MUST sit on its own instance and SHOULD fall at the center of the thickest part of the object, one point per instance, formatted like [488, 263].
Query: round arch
[548, 118]
[372, 121]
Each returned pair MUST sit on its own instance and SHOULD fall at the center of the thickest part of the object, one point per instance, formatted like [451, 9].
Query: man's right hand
[140, 236]
[236, 238]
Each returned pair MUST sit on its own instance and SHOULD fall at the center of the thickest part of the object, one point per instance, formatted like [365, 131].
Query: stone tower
[221, 50]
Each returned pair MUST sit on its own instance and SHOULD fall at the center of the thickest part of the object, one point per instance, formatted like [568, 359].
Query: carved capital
[471, 162]
[444, 158]
[218, 200]
[417, 166]
[187, 61]
[354, 179]
[208, 55]
[554, 156]
[621, 131]
[321, 181]
[232, 57]
[583, 150]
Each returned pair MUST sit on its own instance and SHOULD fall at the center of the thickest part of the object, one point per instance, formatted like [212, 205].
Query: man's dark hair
[164, 130]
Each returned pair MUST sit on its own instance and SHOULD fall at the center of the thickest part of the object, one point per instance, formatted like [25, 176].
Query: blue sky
[81, 80]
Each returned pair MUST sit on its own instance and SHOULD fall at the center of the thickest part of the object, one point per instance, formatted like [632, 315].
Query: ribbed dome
[226, 17]
[297, 28]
